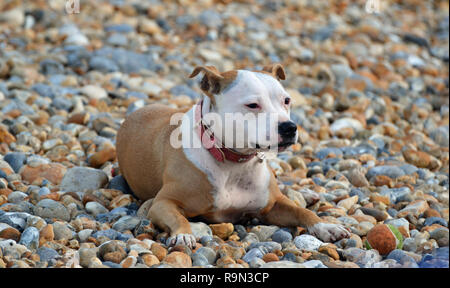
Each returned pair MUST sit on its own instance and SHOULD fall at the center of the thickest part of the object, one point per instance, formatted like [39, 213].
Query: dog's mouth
[281, 146]
[284, 145]
[262, 147]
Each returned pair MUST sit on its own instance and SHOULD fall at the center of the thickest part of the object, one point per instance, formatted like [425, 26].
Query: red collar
[217, 150]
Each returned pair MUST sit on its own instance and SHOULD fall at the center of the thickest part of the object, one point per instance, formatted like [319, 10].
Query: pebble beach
[369, 82]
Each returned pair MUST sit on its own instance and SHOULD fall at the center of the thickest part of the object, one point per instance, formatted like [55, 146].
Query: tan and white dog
[217, 183]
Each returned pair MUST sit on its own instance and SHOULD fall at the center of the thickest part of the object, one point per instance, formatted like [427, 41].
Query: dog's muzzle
[287, 129]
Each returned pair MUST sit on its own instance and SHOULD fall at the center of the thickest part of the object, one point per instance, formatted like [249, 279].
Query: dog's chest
[240, 189]
[236, 187]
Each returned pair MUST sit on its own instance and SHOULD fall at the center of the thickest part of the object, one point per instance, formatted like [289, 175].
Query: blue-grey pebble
[16, 220]
[126, 223]
[409, 169]
[391, 171]
[16, 197]
[45, 90]
[119, 183]
[359, 150]
[289, 257]
[184, 90]
[350, 243]
[211, 19]
[46, 254]
[110, 233]
[103, 64]
[204, 240]
[392, 212]
[241, 231]
[124, 237]
[50, 66]
[135, 94]
[30, 238]
[111, 264]
[323, 153]
[107, 217]
[400, 256]
[117, 39]
[62, 103]
[48, 208]
[43, 191]
[16, 160]
[136, 105]
[208, 253]
[435, 220]
[199, 260]
[281, 236]
[119, 28]
[253, 253]
[128, 61]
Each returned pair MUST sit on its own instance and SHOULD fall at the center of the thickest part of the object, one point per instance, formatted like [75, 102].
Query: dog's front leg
[285, 212]
[168, 215]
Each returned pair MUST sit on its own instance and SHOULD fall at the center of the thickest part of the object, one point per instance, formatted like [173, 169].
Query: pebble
[307, 242]
[264, 232]
[178, 259]
[112, 251]
[150, 260]
[314, 264]
[281, 236]
[200, 229]
[16, 197]
[126, 223]
[119, 183]
[256, 263]
[48, 208]
[84, 235]
[441, 236]
[253, 253]
[16, 160]
[401, 257]
[10, 233]
[222, 230]
[91, 179]
[390, 171]
[364, 258]
[62, 232]
[208, 253]
[47, 254]
[95, 208]
[377, 214]
[199, 260]
[329, 250]
[86, 255]
[282, 264]
[30, 238]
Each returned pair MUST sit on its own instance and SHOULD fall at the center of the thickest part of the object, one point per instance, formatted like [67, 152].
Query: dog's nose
[287, 129]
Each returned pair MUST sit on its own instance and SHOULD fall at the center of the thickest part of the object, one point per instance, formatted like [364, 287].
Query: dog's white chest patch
[239, 187]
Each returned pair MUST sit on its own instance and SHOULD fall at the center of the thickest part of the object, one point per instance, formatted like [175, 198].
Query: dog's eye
[287, 101]
[253, 106]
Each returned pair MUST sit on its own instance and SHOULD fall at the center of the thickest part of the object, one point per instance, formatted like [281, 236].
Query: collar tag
[261, 156]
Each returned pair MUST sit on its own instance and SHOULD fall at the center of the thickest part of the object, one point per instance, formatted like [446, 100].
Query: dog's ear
[276, 70]
[211, 81]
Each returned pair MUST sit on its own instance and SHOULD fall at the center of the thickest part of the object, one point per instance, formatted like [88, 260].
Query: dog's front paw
[182, 239]
[329, 232]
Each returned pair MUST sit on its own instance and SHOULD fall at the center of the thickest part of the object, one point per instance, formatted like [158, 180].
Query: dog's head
[249, 109]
